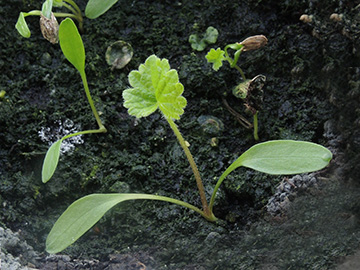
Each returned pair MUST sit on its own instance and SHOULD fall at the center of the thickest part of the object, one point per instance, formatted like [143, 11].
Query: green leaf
[81, 215]
[285, 157]
[22, 27]
[155, 85]
[197, 43]
[51, 160]
[71, 44]
[280, 157]
[47, 8]
[215, 57]
[211, 35]
[95, 8]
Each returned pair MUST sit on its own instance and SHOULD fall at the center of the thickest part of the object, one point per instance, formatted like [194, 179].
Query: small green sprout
[245, 90]
[94, 9]
[199, 43]
[156, 87]
[72, 47]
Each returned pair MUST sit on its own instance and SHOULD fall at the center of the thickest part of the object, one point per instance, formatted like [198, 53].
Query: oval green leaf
[82, 214]
[155, 85]
[285, 157]
[71, 44]
[22, 27]
[95, 8]
[51, 160]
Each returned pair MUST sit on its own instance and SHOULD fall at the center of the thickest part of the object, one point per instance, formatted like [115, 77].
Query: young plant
[48, 23]
[156, 87]
[73, 49]
[199, 42]
[248, 90]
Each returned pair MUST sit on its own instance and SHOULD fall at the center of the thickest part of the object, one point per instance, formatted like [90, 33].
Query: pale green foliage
[82, 214]
[46, 8]
[51, 160]
[22, 26]
[95, 8]
[71, 44]
[216, 57]
[155, 85]
[199, 43]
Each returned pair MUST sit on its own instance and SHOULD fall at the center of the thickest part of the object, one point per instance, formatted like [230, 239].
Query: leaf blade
[96, 8]
[22, 27]
[155, 85]
[82, 214]
[51, 160]
[71, 44]
[285, 157]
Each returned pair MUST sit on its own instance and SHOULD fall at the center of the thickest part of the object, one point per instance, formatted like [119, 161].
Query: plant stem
[88, 95]
[207, 213]
[256, 136]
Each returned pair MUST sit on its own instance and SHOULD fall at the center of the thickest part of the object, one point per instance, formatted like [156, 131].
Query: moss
[143, 156]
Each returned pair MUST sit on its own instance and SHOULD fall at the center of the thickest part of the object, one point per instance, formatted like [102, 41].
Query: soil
[311, 93]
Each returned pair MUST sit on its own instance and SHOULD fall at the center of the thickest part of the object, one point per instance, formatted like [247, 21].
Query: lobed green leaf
[71, 44]
[95, 8]
[155, 86]
[215, 57]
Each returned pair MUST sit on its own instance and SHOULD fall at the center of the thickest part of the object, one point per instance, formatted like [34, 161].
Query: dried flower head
[49, 28]
[254, 42]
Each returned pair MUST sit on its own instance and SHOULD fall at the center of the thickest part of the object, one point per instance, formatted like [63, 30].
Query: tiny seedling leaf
[95, 8]
[155, 85]
[51, 160]
[22, 27]
[211, 35]
[47, 8]
[71, 44]
[215, 57]
[82, 214]
[197, 43]
[285, 157]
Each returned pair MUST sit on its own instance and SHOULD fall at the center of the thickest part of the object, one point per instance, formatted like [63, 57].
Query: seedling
[73, 49]
[199, 42]
[156, 87]
[248, 90]
[48, 23]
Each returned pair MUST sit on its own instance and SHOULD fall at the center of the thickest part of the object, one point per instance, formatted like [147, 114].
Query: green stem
[76, 10]
[207, 213]
[171, 200]
[256, 136]
[82, 133]
[88, 95]
[219, 182]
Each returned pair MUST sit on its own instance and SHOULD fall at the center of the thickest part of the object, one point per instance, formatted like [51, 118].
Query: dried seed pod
[254, 42]
[49, 28]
